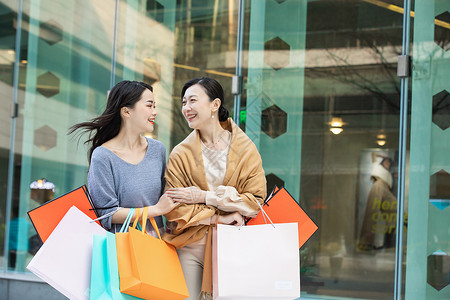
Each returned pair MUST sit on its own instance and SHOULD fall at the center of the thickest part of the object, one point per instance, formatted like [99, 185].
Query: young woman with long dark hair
[126, 169]
[216, 174]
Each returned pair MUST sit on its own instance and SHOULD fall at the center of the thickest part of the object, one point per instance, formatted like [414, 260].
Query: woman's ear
[124, 112]
[215, 104]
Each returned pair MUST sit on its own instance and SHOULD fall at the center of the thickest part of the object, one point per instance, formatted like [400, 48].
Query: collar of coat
[189, 151]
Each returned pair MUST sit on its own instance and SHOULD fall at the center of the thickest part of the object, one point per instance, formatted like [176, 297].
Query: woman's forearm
[164, 205]
[121, 214]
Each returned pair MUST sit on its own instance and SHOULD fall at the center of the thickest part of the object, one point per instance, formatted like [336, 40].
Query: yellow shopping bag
[149, 268]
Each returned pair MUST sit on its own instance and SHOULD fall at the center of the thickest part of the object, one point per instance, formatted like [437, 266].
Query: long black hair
[106, 126]
[213, 89]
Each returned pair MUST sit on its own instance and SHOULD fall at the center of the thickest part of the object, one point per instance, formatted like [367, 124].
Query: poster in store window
[377, 199]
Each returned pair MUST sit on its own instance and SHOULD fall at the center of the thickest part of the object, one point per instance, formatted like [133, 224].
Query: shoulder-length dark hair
[106, 126]
[213, 89]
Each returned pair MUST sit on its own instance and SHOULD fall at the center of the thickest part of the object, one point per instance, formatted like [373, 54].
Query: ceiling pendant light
[336, 125]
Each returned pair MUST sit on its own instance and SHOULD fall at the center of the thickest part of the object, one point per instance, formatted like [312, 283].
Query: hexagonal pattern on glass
[155, 10]
[273, 121]
[48, 84]
[51, 32]
[277, 53]
[441, 109]
[438, 270]
[441, 33]
[273, 180]
[440, 189]
[45, 138]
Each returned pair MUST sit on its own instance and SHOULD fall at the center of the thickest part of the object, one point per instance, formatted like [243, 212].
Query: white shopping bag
[64, 261]
[256, 262]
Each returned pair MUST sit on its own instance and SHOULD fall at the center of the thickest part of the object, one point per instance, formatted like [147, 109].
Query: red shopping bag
[282, 208]
[46, 217]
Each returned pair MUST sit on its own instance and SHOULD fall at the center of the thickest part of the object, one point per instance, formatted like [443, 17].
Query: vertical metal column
[402, 152]
[237, 81]
[14, 114]
[113, 58]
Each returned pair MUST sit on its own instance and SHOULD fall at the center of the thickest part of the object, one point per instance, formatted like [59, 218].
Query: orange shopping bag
[46, 217]
[282, 208]
[149, 268]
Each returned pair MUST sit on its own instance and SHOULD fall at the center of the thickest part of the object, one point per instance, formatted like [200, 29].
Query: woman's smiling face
[197, 107]
[143, 113]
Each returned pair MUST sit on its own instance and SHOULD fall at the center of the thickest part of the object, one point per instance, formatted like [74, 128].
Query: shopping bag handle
[264, 214]
[144, 219]
[136, 219]
[127, 220]
[106, 215]
[152, 221]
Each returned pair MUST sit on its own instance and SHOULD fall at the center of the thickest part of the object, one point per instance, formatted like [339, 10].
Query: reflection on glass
[167, 43]
[145, 50]
[65, 62]
[205, 45]
[65, 65]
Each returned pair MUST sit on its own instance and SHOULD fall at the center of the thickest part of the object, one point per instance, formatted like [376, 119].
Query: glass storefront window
[320, 99]
[66, 66]
[64, 74]
[322, 103]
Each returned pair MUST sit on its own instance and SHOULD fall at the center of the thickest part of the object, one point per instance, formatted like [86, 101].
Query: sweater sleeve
[227, 199]
[101, 187]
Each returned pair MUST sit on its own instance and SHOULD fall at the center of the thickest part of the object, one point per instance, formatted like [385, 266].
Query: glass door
[321, 101]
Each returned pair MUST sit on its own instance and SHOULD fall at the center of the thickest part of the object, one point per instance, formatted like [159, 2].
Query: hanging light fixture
[381, 139]
[336, 125]
[336, 130]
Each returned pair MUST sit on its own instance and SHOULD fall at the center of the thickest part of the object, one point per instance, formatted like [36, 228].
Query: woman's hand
[165, 205]
[188, 195]
[231, 219]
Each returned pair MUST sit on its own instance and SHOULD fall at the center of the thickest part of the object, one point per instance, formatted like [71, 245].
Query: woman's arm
[225, 198]
[164, 205]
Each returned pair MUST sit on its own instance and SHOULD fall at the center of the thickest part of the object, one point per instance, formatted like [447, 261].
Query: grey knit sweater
[113, 182]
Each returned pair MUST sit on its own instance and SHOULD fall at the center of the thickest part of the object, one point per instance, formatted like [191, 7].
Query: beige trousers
[191, 258]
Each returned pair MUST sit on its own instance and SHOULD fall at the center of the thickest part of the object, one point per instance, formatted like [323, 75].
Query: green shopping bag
[104, 271]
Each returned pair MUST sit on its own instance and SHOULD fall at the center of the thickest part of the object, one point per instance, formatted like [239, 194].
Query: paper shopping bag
[64, 261]
[256, 262]
[104, 271]
[149, 268]
[100, 277]
[47, 216]
[282, 208]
